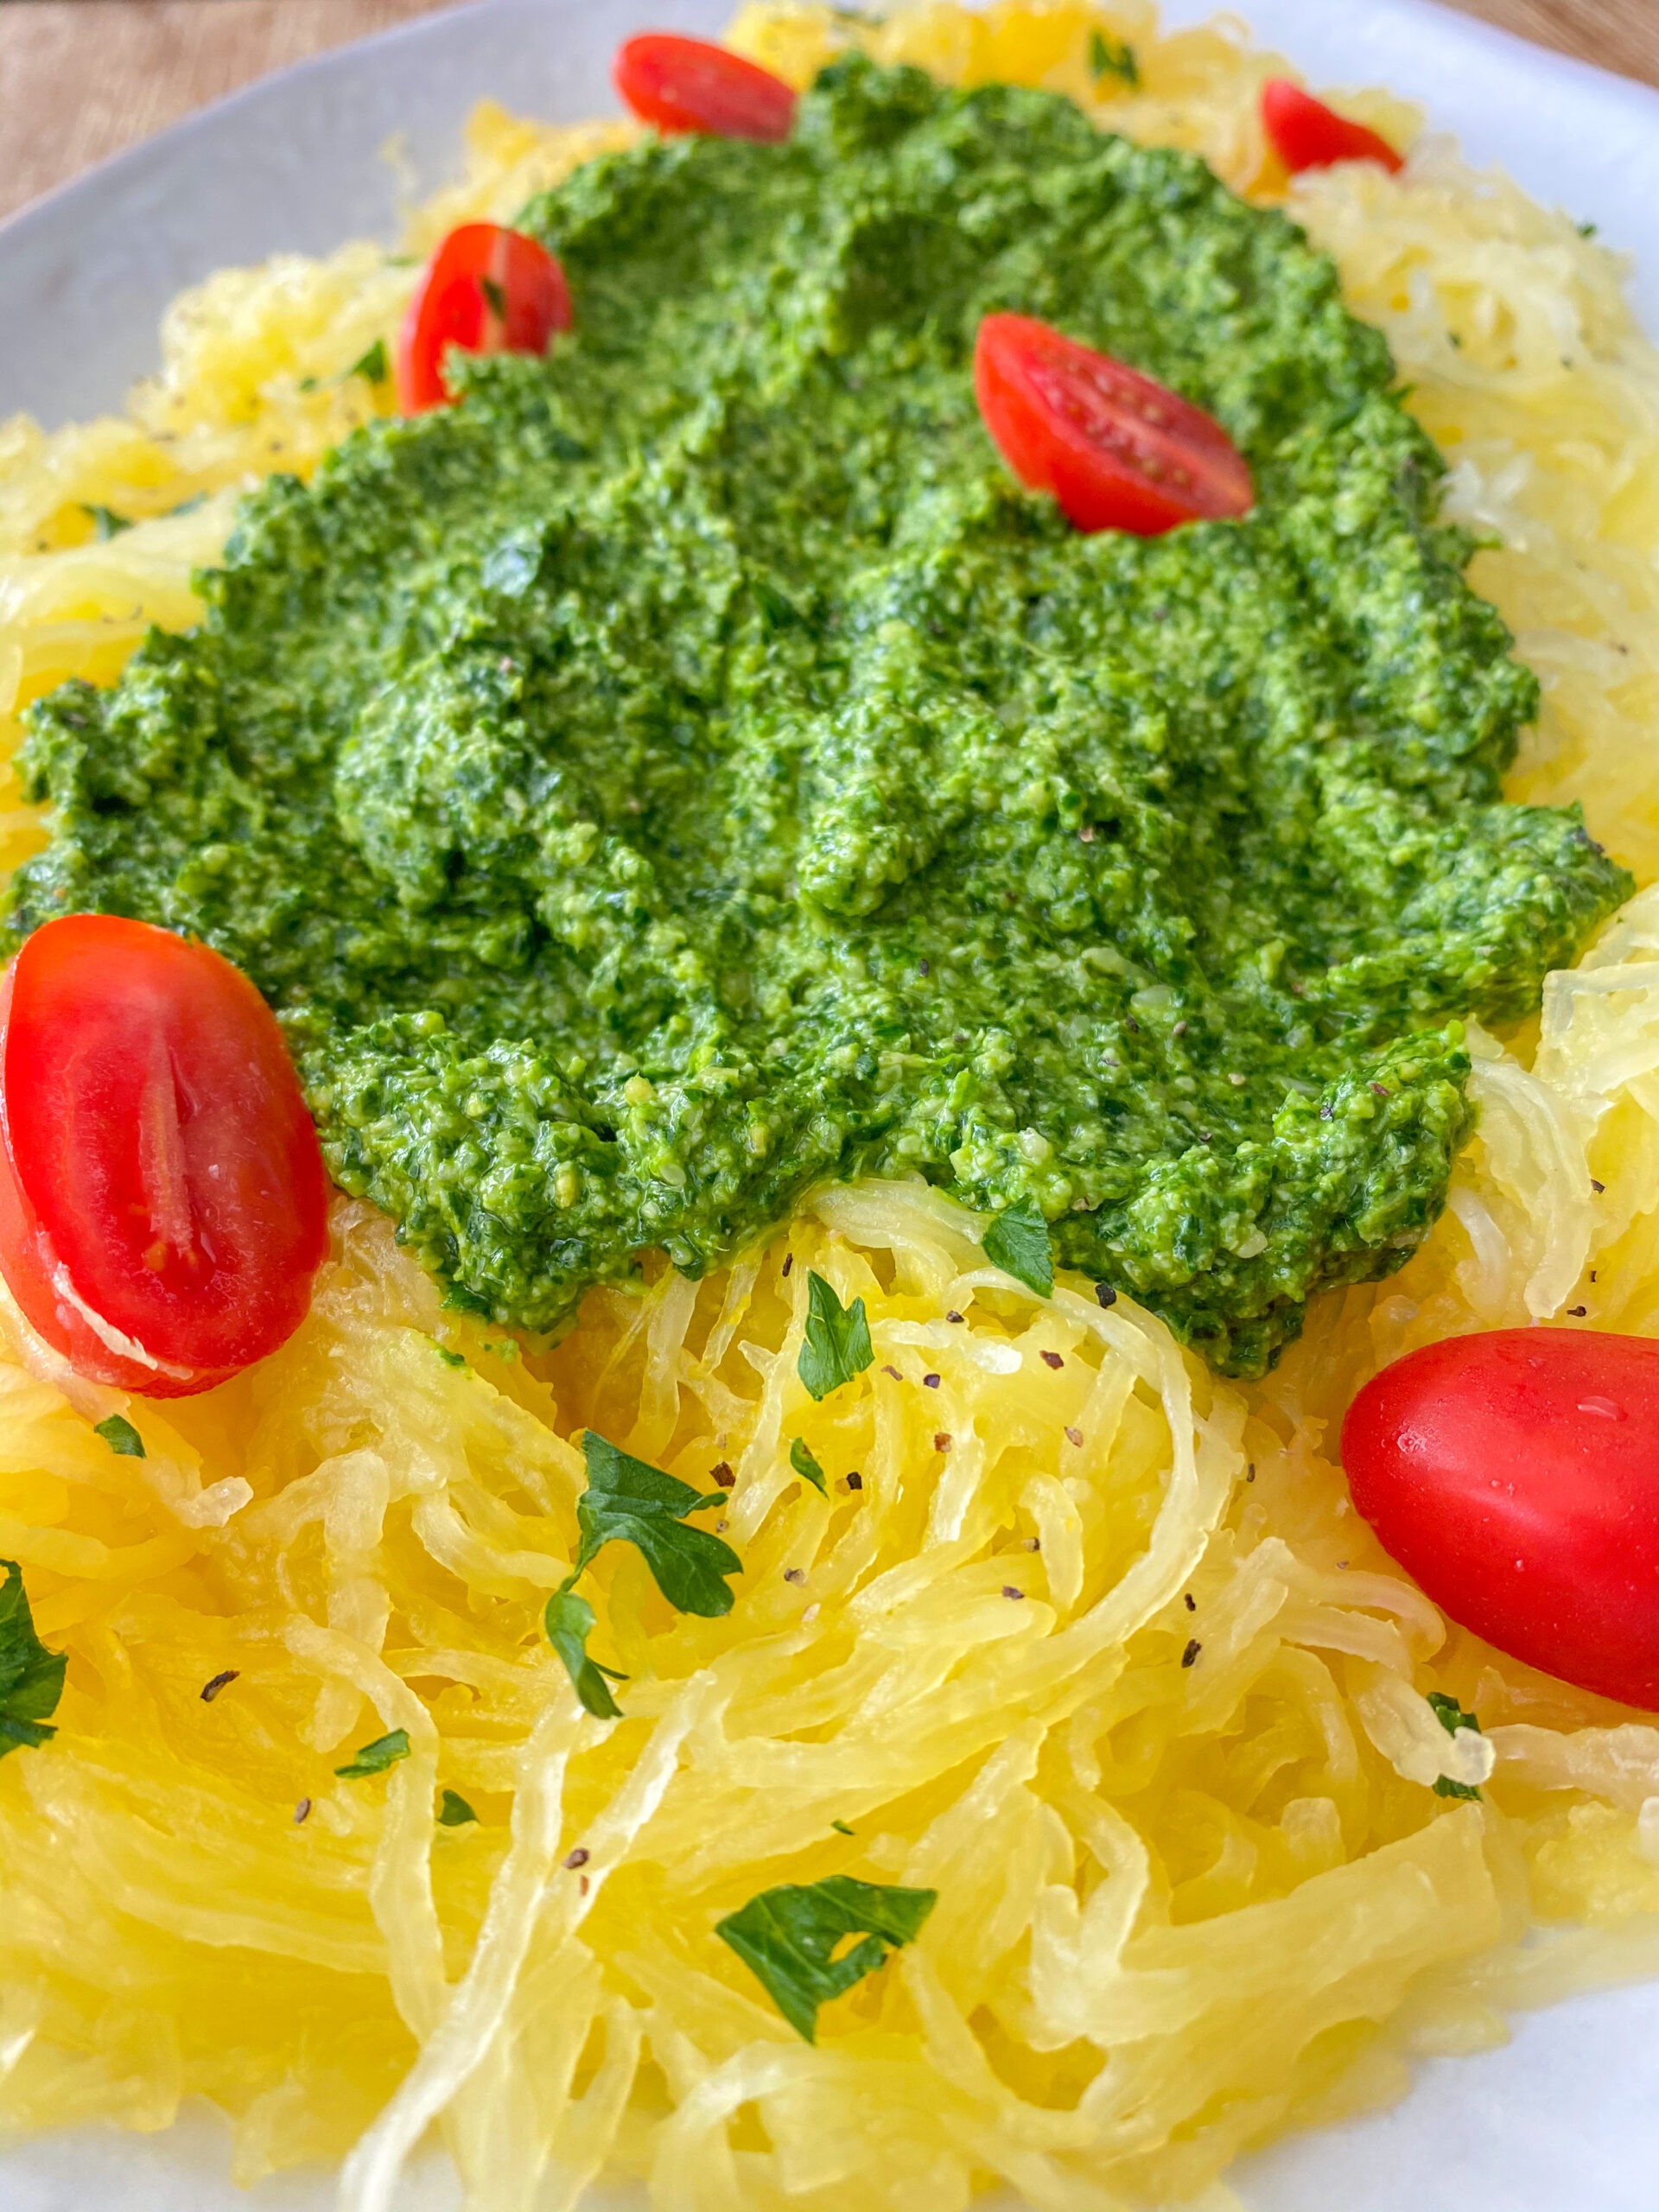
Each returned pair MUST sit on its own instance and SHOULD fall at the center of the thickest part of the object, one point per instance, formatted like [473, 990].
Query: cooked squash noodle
[1080, 1637]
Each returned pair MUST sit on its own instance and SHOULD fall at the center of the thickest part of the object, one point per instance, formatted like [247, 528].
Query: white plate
[1565, 2118]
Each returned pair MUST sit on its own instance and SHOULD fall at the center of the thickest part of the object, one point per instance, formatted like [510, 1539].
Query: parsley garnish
[569, 1622]
[1017, 1241]
[806, 1466]
[450, 1358]
[122, 1439]
[836, 1346]
[31, 1677]
[454, 1812]
[189, 506]
[107, 523]
[497, 298]
[376, 1757]
[1112, 57]
[841, 1828]
[629, 1500]
[785, 1937]
[1451, 1717]
[371, 364]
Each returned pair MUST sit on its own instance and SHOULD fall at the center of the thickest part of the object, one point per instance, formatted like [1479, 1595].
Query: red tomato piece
[1118, 450]
[1516, 1476]
[688, 83]
[1310, 136]
[163, 1205]
[487, 290]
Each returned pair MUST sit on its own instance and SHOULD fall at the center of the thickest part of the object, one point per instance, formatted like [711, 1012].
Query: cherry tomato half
[487, 290]
[1117, 450]
[1310, 136]
[687, 84]
[1516, 1476]
[162, 1201]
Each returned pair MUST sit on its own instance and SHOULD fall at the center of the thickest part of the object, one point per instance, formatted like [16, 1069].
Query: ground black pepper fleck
[210, 1690]
[1008, 1591]
[578, 1857]
[1105, 1294]
[722, 1474]
[1191, 1652]
[1191, 1602]
[1052, 1359]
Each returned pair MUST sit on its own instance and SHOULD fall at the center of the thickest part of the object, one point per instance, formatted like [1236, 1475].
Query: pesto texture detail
[690, 767]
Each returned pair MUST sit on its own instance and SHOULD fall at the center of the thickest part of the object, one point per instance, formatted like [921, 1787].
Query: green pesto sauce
[691, 768]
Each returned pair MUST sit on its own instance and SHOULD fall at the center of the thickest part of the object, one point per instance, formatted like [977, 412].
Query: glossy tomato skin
[1515, 1476]
[681, 85]
[1116, 449]
[1308, 135]
[163, 1205]
[487, 290]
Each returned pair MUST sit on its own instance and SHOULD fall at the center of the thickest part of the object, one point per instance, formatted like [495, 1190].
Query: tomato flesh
[683, 85]
[487, 290]
[1116, 449]
[1515, 1476]
[1310, 136]
[164, 1205]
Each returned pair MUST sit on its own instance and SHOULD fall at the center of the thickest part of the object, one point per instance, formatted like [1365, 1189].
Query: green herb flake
[457, 1359]
[785, 1937]
[569, 1622]
[1110, 57]
[1450, 1714]
[454, 1811]
[496, 298]
[1445, 1787]
[122, 1439]
[31, 1677]
[371, 364]
[106, 523]
[187, 507]
[806, 1466]
[1017, 1241]
[376, 1757]
[841, 1828]
[626, 1498]
[836, 1346]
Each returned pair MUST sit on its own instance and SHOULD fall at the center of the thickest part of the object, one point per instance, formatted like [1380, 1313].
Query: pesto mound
[690, 767]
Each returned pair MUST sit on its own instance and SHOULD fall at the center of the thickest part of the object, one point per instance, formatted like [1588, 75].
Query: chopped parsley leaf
[107, 524]
[569, 1623]
[454, 1811]
[497, 298]
[785, 1937]
[376, 1757]
[629, 1499]
[1112, 57]
[842, 1829]
[371, 364]
[1445, 1787]
[1017, 1241]
[836, 1346]
[122, 1439]
[806, 1466]
[31, 1677]
[1450, 1714]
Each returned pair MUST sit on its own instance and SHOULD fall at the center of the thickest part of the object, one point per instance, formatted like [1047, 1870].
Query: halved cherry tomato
[487, 290]
[687, 84]
[162, 1201]
[1116, 449]
[1516, 1476]
[1310, 136]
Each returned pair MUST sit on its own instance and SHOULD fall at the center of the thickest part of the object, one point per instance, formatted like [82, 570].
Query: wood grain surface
[80, 79]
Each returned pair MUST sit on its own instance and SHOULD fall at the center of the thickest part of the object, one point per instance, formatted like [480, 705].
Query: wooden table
[80, 78]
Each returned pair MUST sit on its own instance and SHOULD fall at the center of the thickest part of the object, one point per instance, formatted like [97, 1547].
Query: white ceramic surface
[1566, 2118]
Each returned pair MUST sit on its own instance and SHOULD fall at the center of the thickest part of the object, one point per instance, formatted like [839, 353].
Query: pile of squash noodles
[1096, 1646]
